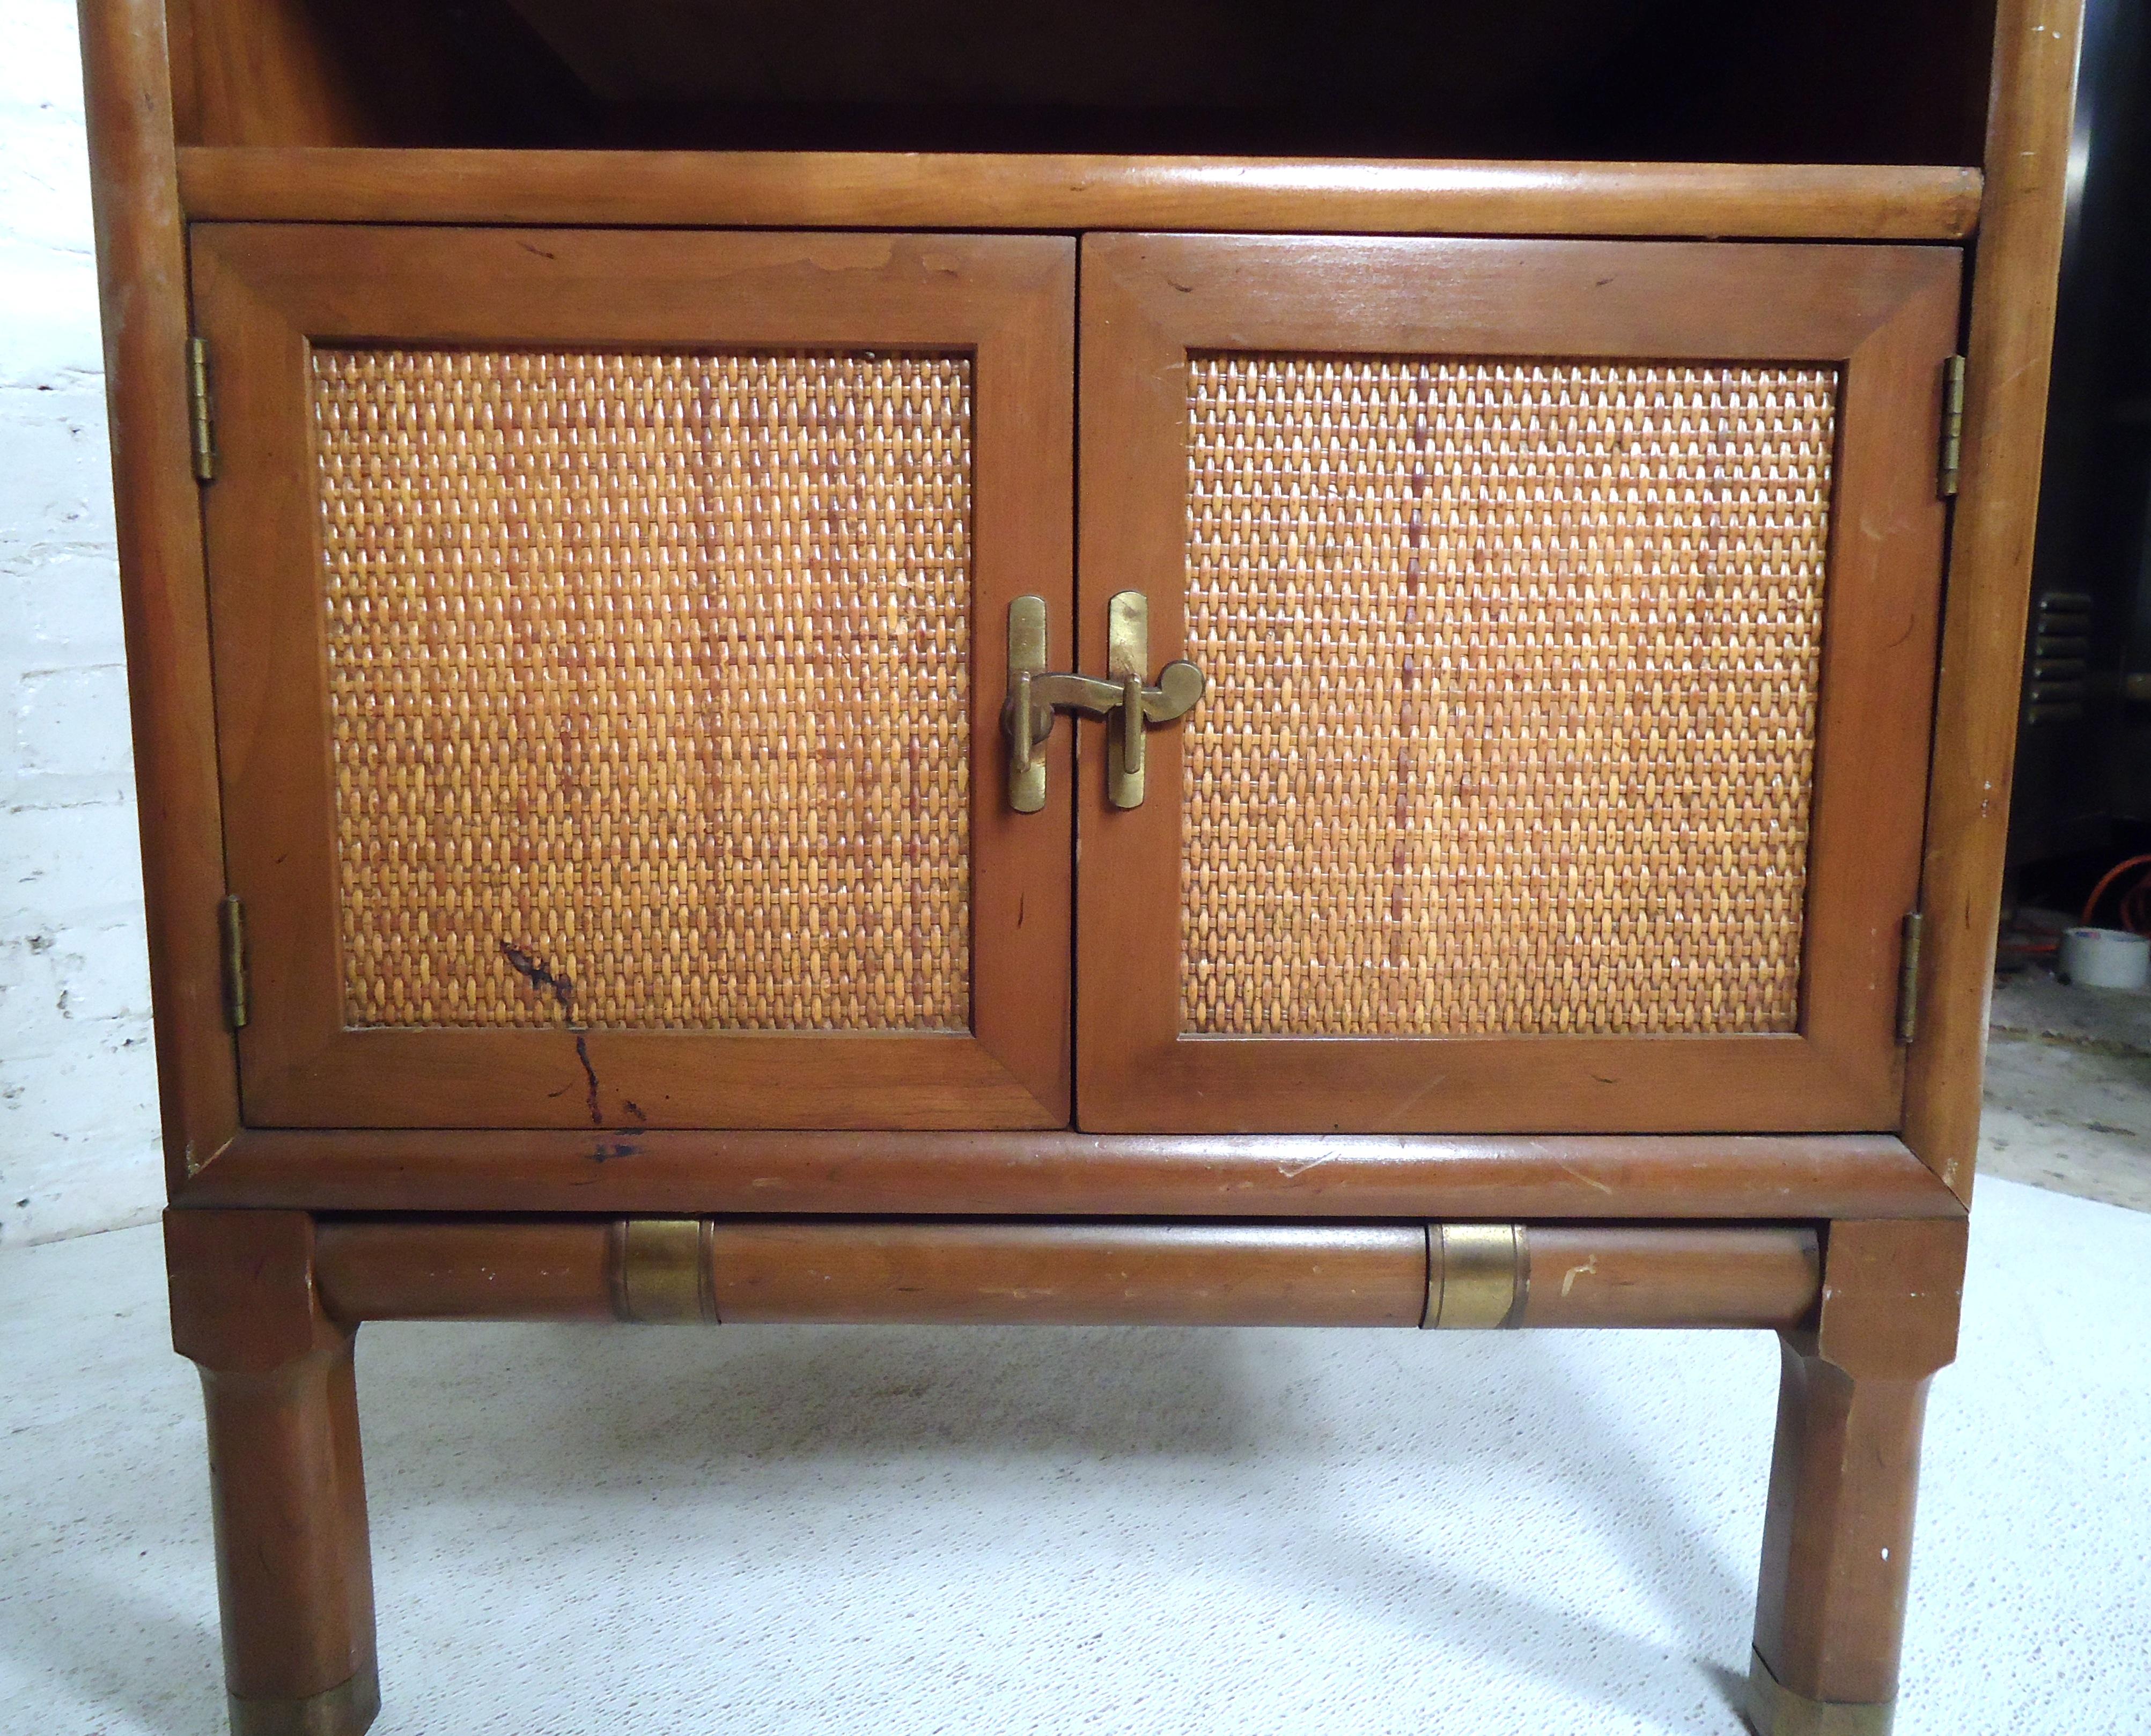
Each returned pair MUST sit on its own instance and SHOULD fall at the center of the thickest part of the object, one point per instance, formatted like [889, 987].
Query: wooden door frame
[263, 294]
[1886, 315]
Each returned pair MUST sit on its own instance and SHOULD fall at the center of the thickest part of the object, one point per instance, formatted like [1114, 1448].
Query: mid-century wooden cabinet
[869, 663]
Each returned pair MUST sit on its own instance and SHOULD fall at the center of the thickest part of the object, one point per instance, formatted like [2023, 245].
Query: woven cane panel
[1512, 713]
[647, 679]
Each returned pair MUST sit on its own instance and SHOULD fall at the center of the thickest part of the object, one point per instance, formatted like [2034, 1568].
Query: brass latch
[1036, 697]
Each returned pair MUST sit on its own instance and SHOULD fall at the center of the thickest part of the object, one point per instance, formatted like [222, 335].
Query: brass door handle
[1037, 697]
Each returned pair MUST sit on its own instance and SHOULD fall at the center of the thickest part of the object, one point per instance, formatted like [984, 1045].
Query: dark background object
[1830, 81]
[2082, 795]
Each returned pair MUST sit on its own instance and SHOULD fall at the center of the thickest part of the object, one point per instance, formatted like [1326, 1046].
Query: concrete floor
[2069, 1089]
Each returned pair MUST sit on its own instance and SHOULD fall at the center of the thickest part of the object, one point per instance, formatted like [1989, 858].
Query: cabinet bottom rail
[268, 1305]
[738, 1271]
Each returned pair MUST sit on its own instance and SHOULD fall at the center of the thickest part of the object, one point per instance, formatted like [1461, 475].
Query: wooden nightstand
[855, 664]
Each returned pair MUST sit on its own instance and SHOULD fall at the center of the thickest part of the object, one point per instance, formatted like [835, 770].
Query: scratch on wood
[561, 987]
[590, 1074]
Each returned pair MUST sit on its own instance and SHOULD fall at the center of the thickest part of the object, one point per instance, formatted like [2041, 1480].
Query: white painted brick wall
[79, 1147]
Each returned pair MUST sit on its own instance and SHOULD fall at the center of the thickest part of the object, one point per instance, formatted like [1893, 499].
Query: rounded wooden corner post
[141, 252]
[294, 1578]
[2009, 351]
[1829, 1616]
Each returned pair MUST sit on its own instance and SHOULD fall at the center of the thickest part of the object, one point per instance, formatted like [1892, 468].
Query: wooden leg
[1837, 1540]
[293, 1572]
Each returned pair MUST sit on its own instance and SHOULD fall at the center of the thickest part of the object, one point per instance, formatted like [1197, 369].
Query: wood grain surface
[1708, 1275]
[1837, 1535]
[1887, 315]
[976, 1271]
[2008, 356]
[142, 276]
[846, 189]
[265, 294]
[288, 1495]
[1062, 1174]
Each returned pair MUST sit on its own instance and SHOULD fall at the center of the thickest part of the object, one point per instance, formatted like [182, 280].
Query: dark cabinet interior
[1900, 81]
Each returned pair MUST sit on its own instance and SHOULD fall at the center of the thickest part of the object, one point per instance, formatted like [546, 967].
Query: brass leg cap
[1775, 1710]
[344, 1710]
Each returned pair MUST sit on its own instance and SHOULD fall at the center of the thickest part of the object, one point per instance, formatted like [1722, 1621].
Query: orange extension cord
[2135, 905]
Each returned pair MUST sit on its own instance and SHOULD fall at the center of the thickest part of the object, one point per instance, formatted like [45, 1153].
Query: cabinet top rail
[896, 191]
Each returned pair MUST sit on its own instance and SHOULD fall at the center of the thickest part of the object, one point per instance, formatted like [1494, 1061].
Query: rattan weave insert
[647, 682]
[1513, 670]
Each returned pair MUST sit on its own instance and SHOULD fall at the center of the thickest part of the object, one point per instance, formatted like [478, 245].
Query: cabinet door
[1569, 613]
[598, 618]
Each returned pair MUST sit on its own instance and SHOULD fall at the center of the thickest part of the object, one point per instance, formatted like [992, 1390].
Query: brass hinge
[1908, 979]
[1952, 457]
[202, 431]
[231, 927]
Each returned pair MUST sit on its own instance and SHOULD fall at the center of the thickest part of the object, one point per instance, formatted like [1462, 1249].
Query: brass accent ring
[1476, 1275]
[344, 1710]
[1773, 1710]
[662, 1269]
